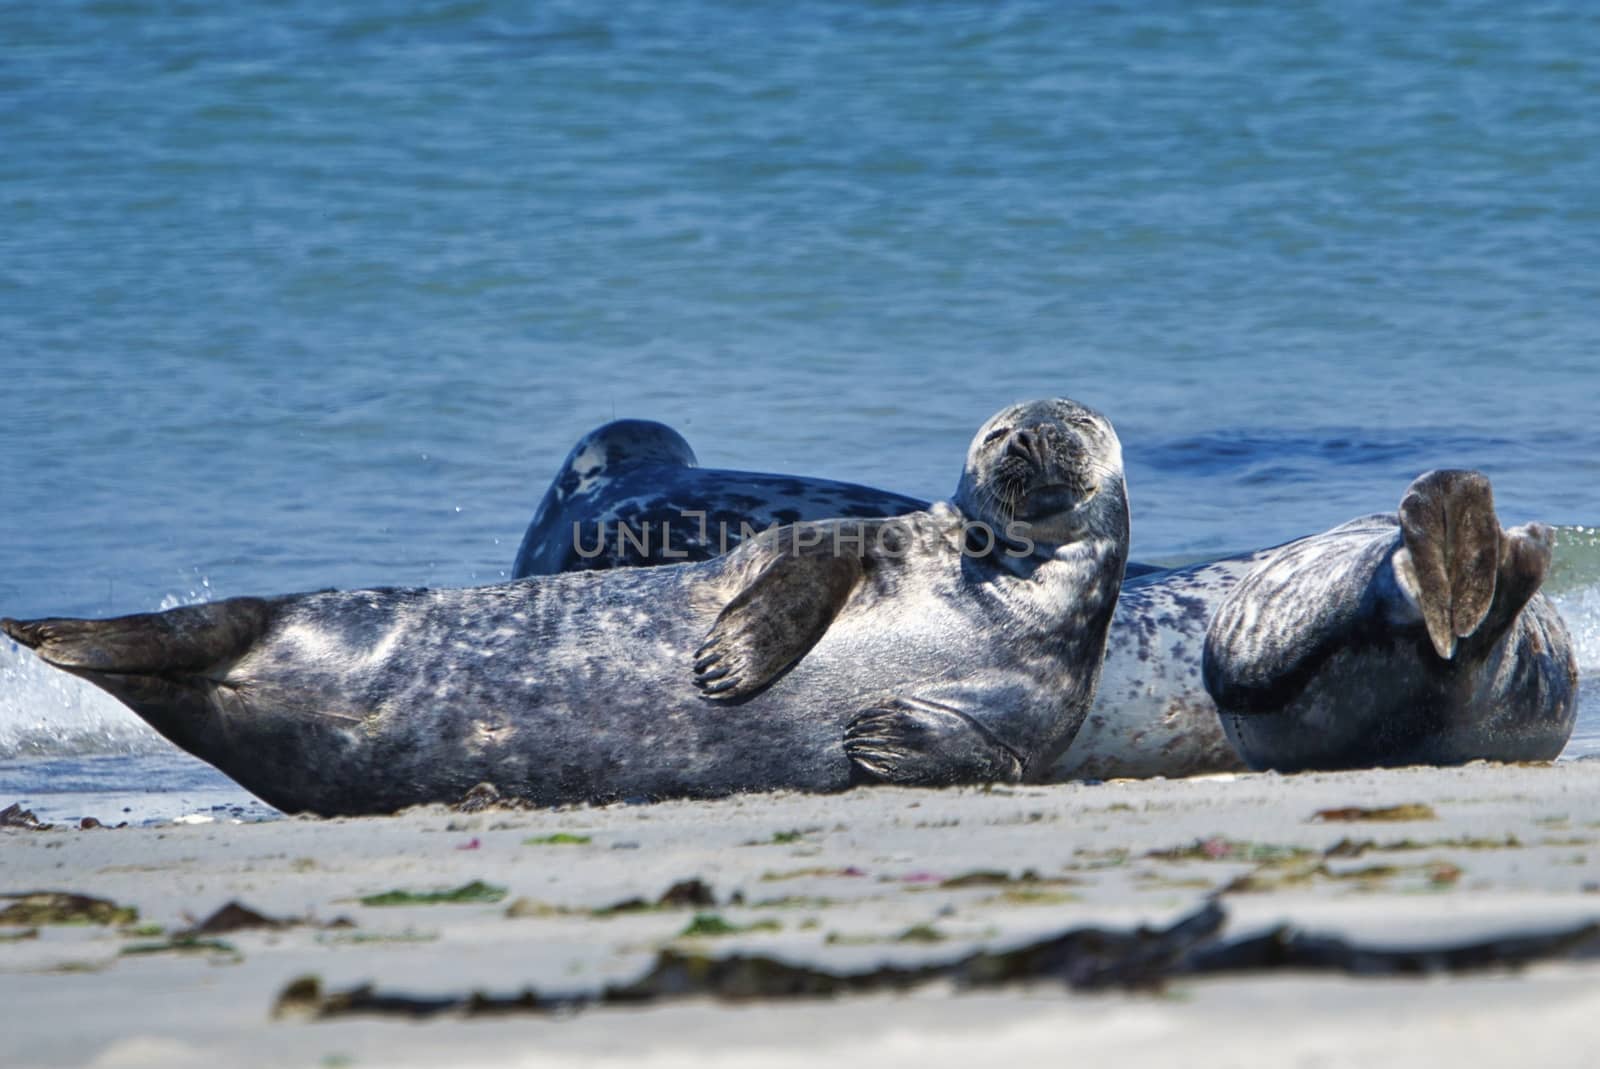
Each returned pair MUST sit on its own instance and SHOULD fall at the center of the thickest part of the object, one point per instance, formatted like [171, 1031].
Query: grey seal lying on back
[1327, 652]
[957, 644]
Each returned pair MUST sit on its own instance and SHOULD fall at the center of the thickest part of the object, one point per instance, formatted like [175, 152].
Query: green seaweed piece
[476, 891]
[921, 933]
[181, 944]
[1406, 811]
[984, 878]
[812, 871]
[1353, 848]
[1093, 860]
[1032, 896]
[36, 908]
[795, 902]
[1028, 880]
[712, 924]
[560, 838]
[1221, 848]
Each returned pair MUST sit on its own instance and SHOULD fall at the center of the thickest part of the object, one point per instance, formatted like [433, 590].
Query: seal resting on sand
[957, 644]
[1314, 654]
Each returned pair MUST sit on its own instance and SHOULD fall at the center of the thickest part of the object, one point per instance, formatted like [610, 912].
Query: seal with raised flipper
[961, 643]
[1320, 654]
[1417, 637]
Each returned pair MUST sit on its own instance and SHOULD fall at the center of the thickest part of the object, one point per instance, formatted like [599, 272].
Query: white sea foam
[46, 711]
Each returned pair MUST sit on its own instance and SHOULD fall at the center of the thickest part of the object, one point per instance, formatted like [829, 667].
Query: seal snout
[1026, 444]
[1044, 446]
[1051, 463]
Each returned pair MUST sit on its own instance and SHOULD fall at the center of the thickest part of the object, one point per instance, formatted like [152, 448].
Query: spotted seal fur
[817, 656]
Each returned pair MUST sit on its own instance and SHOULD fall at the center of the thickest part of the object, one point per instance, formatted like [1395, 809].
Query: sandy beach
[569, 901]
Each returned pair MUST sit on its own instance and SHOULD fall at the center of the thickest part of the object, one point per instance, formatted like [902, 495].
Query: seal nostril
[1025, 443]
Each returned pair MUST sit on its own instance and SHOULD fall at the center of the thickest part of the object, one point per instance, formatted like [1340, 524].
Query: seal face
[815, 656]
[1395, 682]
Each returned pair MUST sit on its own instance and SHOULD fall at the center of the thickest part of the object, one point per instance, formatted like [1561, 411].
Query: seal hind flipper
[169, 667]
[773, 622]
[1452, 553]
[1525, 556]
[913, 742]
[180, 641]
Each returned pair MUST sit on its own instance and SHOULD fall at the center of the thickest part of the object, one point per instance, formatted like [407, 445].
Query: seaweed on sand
[1078, 959]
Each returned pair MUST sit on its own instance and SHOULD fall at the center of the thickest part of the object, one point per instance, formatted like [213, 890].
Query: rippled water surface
[299, 295]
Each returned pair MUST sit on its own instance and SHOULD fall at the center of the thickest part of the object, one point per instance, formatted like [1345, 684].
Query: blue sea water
[297, 295]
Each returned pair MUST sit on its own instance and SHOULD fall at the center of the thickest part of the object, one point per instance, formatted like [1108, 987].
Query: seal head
[1034, 472]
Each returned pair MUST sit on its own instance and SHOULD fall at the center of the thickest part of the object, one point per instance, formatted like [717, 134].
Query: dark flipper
[168, 667]
[1453, 553]
[924, 744]
[183, 641]
[1525, 554]
[774, 620]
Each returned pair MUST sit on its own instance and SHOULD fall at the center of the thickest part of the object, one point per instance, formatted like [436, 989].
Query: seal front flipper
[1452, 553]
[774, 620]
[918, 743]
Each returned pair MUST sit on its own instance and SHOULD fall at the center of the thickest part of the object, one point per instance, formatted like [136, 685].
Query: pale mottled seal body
[822, 655]
[1152, 715]
[1510, 694]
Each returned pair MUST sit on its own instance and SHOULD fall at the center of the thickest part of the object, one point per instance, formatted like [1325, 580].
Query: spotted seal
[959, 643]
[1289, 639]
[626, 480]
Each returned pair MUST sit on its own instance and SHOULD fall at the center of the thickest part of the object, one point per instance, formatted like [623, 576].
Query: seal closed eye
[818, 656]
